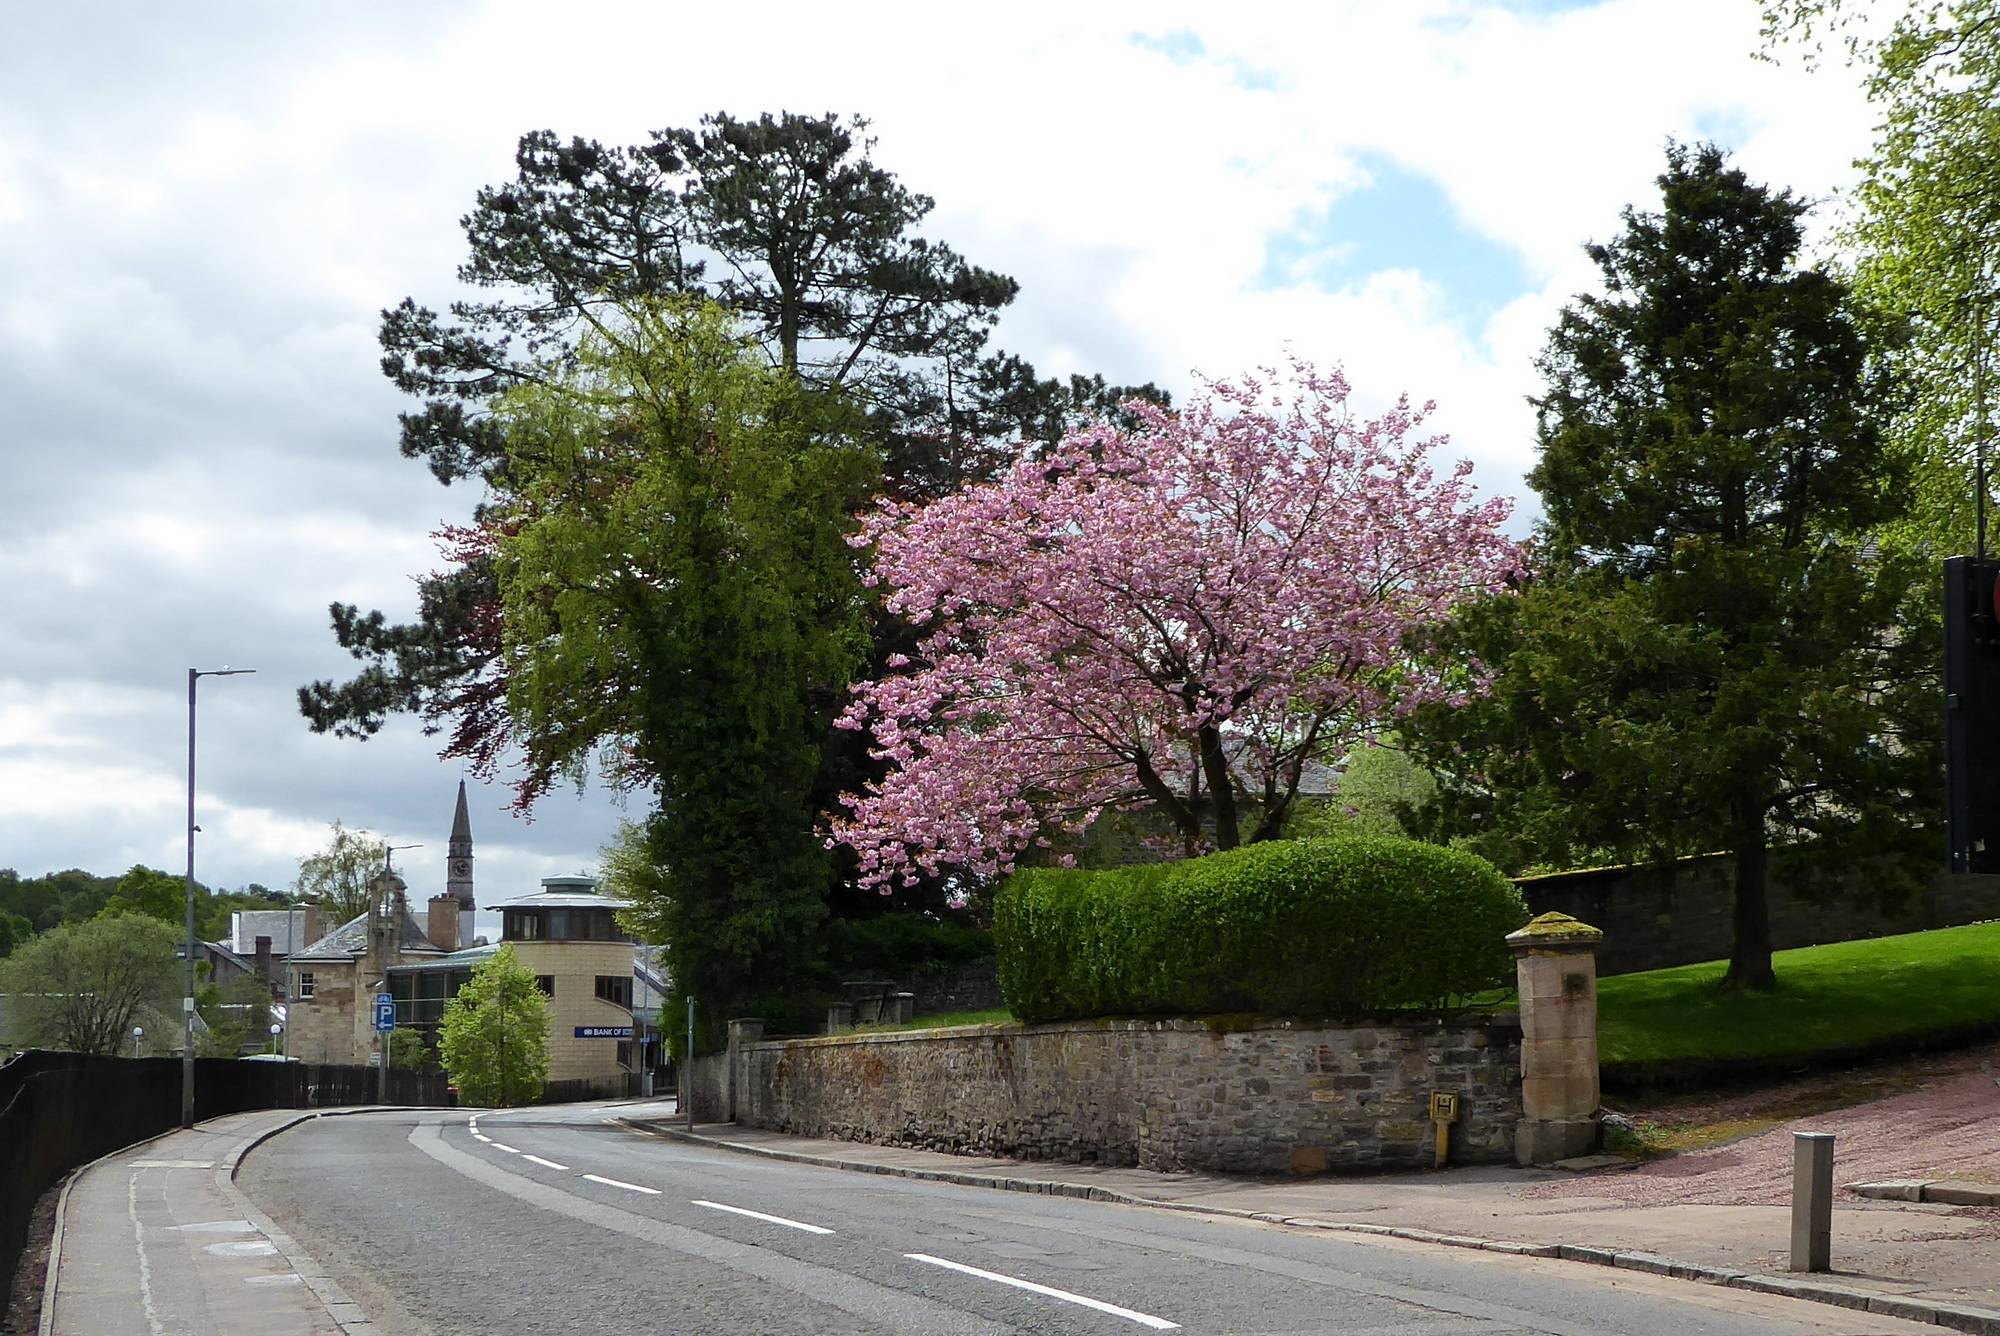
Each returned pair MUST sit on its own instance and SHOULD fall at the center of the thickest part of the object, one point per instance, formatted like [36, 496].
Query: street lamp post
[138, 1033]
[275, 1028]
[187, 1003]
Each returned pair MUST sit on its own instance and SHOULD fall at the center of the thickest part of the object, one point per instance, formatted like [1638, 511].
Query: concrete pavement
[1938, 1263]
[157, 1241]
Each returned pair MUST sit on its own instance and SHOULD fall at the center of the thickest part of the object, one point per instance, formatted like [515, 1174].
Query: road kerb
[348, 1315]
[1957, 1317]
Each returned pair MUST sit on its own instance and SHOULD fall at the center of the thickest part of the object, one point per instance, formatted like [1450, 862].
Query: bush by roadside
[1332, 927]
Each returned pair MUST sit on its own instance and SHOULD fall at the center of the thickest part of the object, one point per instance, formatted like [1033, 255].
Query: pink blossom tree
[1183, 613]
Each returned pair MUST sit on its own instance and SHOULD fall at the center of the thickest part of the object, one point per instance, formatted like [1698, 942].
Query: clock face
[461, 868]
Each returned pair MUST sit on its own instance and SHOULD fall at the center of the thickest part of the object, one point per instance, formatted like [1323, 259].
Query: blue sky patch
[1400, 220]
[1180, 46]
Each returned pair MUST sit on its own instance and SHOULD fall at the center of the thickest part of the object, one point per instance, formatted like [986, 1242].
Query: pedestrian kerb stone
[1555, 968]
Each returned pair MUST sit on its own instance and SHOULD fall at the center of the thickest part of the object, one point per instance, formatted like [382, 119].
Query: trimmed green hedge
[1334, 927]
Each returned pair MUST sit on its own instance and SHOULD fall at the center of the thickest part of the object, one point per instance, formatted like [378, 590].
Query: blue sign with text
[385, 1011]
[603, 1032]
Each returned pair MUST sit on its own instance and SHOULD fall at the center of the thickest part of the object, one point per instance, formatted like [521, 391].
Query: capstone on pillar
[1555, 963]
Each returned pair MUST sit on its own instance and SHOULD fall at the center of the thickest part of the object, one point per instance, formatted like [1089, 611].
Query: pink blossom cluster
[1250, 565]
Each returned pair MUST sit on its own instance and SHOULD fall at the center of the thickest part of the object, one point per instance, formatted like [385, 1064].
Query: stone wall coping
[1507, 1021]
[1551, 931]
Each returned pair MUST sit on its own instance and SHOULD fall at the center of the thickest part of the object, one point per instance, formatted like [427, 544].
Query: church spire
[458, 867]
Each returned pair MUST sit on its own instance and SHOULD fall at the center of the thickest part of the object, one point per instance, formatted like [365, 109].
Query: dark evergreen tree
[1716, 654]
[784, 220]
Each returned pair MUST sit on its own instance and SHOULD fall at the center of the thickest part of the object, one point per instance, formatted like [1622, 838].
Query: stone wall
[1654, 918]
[1160, 1094]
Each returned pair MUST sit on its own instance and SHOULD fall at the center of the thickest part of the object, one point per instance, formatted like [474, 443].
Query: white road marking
[145, 1267]
[546, 1164]
[481, 1136]
[759, 1215]
[629, 1187]
[1143, 1319]
[497, 1146]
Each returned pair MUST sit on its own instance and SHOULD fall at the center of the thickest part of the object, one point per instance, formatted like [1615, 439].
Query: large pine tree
[1715, 655]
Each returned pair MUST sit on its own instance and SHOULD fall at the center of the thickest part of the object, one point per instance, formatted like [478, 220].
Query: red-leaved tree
[1185, 614]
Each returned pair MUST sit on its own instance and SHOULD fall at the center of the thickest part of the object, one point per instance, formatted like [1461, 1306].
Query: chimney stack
[441, 923]
[311, 928]
[264, 958]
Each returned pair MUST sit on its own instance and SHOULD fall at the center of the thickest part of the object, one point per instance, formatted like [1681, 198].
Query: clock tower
[458, 868]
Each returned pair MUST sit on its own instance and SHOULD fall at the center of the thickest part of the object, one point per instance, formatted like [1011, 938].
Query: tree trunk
[1222, 792]
[1750, 949]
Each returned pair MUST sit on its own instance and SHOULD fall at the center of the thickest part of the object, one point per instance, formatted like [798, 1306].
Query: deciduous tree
[495, 1036]
[340, 878]
[1182, 612]
[79, 985]
[1923, 226]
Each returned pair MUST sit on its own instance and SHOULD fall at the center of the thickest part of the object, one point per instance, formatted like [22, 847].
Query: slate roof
[247, 925]
[350, 940]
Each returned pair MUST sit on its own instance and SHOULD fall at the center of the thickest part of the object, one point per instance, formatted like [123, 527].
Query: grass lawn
[1842, 996]
[939, 1021]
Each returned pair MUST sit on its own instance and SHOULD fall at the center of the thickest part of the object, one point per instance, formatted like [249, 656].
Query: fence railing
[60, 1110]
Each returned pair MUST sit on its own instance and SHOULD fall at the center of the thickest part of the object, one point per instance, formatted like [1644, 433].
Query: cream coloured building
[567, 936]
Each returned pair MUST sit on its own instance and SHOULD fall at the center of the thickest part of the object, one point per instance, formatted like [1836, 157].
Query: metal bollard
[1812, 1201]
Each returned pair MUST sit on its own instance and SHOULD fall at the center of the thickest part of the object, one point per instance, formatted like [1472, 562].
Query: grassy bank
[1843, 998]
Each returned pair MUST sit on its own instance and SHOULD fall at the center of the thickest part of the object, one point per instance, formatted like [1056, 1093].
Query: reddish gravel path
[1949, 1127]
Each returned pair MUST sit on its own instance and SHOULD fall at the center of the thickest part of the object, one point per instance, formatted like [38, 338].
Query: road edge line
[1958, 1317]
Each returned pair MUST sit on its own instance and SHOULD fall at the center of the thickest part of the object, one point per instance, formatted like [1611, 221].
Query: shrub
[1329, 927]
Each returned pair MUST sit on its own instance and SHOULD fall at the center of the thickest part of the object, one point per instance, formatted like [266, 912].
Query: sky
[204, 207]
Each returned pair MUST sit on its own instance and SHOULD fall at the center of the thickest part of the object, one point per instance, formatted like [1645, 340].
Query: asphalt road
[555, 1220]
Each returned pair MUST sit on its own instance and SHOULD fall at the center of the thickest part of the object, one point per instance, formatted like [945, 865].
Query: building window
[305, 985]
[615, 989]
[524, 925]
[625, 1054]
[547, 983]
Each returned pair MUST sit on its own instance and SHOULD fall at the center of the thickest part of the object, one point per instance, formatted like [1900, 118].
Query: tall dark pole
[187, 1003]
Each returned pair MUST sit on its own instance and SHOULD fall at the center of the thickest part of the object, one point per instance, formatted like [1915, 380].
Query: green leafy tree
[1716, 655]
[408, 1050]
[237, 1015]
[79, 985]
[340, 877]
[14, 930]
[1924, 223]
[145, 890]
[700, 655]
[494, 1043]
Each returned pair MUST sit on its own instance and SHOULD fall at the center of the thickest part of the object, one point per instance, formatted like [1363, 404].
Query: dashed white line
[481, 1136]
[759, 1215]
[546, 1164]
[497, 1146]
[1143, 1319]
[629, 1187]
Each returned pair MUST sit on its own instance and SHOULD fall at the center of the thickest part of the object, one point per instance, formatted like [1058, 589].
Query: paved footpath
[157, 1241]
[1932, 1263]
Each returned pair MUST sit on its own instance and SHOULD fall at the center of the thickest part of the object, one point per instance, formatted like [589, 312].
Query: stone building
[601, 991]
[332, 982]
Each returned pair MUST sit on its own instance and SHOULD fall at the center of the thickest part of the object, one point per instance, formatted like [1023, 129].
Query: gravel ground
[1943, 1122]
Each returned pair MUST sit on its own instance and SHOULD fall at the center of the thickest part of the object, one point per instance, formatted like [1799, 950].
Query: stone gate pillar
[742, 1031]
[1555, 962]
